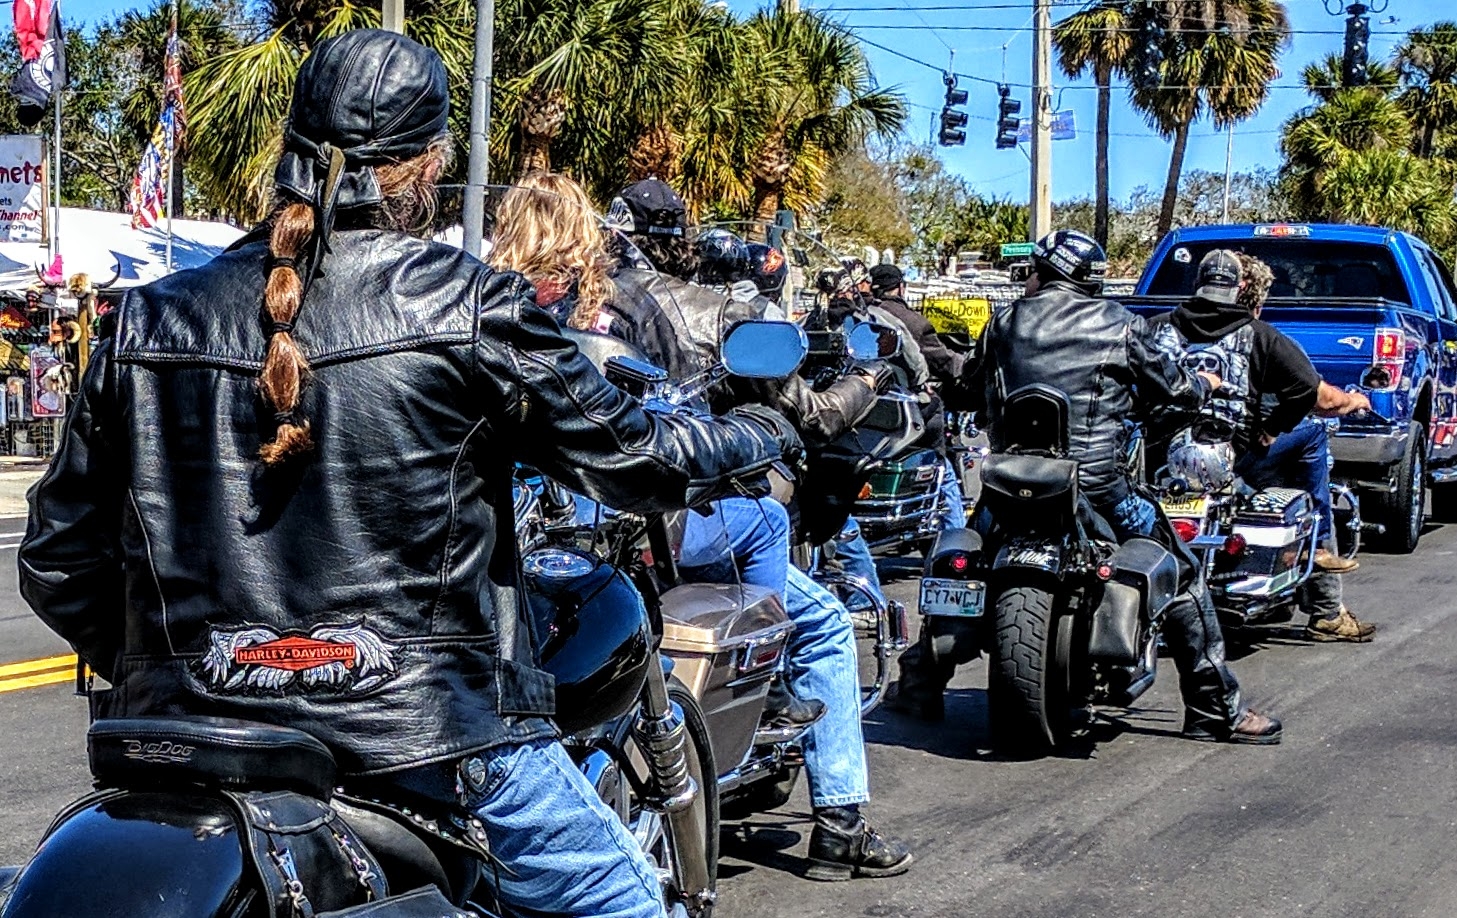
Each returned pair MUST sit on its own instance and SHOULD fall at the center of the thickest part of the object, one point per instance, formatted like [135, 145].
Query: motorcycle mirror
[873, 341]
[1378, 377]
[764, 350]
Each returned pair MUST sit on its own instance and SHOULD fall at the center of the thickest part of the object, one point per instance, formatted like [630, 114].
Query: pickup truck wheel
[1402, 510]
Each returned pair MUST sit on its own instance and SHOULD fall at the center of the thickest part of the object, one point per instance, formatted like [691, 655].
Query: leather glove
[877, 371]
[776, 426]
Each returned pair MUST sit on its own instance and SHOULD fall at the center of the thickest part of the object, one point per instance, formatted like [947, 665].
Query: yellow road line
[24, 682]
[31, 667]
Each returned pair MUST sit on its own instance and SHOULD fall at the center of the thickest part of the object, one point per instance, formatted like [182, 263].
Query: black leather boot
[782, 709]
[843, 845]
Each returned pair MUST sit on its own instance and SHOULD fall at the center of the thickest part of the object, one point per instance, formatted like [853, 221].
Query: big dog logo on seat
[329, 658]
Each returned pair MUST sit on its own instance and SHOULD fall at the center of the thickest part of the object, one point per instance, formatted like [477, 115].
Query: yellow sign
[957, 315]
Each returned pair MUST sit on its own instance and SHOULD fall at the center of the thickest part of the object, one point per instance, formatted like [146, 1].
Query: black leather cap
[377, 97]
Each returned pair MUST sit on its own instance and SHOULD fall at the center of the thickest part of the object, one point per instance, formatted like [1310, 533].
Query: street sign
[1064, 127]
[1017, 249]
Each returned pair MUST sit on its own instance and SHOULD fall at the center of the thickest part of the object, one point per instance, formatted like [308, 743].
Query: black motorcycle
[202, 817]
[1067, 616]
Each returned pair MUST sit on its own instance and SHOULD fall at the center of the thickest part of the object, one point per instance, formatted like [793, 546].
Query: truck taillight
[1390, 345]
[1391, 353]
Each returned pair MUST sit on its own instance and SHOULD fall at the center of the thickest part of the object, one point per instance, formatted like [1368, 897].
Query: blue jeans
[1298, 459]
[822, 661]
[752, 535]
[563, 851]
[952, 500]
[854, 553]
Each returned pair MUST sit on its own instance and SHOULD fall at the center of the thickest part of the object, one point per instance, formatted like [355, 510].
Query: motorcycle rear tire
[1028, 685]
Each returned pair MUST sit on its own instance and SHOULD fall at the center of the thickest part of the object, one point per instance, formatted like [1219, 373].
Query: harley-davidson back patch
[342, 659]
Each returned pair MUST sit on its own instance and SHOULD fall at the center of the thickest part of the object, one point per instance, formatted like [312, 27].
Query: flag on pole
[43, 57]
[154, 175]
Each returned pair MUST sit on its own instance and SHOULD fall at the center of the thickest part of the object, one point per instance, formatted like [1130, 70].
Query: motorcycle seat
[409, 858]
[211, 751]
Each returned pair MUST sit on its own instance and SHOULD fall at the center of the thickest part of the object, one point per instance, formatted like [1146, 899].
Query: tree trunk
[1171, 187]
[535, 153]
[1104, 77]
[766, 205]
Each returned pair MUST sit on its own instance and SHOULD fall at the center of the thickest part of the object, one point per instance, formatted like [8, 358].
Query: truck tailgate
[1341, 334]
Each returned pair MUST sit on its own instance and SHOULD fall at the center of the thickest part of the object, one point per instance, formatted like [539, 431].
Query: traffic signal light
[1358, 38]
[952, 121]
[1007, 120]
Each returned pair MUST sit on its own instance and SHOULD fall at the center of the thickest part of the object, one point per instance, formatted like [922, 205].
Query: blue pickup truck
[1356, 298]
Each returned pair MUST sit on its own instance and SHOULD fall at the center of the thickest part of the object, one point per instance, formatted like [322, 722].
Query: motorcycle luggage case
[726, 642]
[1276, 525]
[1145, 574]
[1038, 493]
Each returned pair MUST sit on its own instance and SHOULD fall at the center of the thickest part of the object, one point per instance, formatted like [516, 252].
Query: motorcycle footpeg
[775, 736]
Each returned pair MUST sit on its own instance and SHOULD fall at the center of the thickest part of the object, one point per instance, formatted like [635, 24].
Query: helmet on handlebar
[1204, 466]
[723, 258]
[1072, 256]
[768, 269]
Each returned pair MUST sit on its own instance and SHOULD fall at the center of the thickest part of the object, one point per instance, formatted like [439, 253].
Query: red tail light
[1391, 354]
[1235, 545]
[1187, 530]
[1390, 345]
[1105, 571]
[959, 562]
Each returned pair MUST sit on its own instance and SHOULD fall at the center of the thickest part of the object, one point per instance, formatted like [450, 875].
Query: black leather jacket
[1106, 361]
[368, 591]
[702, 315]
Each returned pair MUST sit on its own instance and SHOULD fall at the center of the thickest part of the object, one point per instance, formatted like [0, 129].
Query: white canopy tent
[100, 243]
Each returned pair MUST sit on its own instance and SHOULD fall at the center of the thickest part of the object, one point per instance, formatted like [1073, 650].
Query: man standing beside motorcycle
[312, 436]
[1268, 401]
[1107, 363]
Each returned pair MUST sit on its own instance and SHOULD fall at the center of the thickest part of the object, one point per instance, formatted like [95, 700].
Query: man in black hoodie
[1270, 388]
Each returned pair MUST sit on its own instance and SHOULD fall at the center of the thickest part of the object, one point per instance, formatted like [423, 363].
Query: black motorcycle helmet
[1069, 255]
[768, 269]
[723, 258]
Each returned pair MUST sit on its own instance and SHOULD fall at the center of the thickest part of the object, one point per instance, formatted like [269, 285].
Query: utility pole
[1041, 197]
[1228, 169]
[478, 166]
[392, 16]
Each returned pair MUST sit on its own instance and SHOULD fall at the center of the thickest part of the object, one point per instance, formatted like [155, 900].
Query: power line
[988, 28]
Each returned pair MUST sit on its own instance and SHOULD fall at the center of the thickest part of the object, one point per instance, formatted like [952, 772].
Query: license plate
[960, 598]
[1187, 506]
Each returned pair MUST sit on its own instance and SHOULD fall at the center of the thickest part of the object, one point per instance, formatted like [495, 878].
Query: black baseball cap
[1219, 277]
[885, 278]
[655, 209]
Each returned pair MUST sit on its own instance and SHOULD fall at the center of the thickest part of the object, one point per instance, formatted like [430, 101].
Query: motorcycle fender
[1113, 638]
[1029, 555]
[160, 855]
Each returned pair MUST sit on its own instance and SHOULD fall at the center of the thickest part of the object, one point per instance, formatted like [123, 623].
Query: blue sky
[1137, 155]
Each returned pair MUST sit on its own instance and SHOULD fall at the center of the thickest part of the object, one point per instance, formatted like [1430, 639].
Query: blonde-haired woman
[547, 229]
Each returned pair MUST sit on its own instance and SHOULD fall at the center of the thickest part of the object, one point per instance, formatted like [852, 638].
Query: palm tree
[1427, 63]
[238, 100]
[1316, 141]
[1215, 57]
[1096, 38]
[203, 34]
[1390, 187]
[1324, 79]
[789, 92]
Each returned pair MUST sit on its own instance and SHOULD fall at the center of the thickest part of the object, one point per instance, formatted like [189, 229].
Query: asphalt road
[1354, 815]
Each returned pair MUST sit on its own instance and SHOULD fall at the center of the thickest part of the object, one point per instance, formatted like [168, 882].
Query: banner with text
[22, 196]
[957, 315]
